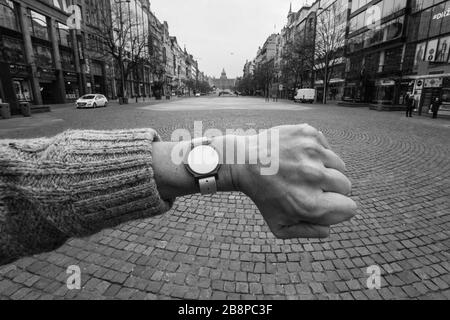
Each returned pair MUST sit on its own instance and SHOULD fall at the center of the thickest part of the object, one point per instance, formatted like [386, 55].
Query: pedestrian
[410, 102]
[81, 182]
[435, 107]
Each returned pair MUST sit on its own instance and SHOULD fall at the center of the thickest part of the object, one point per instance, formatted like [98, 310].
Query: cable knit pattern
[73, 185]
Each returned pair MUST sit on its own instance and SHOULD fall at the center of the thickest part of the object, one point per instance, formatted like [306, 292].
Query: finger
[329, 159]
[332, 161]
[303, 230]
[336, 182]
[333, 209]
[323, 140]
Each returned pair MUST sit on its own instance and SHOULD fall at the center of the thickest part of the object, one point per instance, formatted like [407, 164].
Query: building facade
[53, 51]
[41, 58]
[407, 51]
[391, 48]
[375, 51]
[223, 83]
[426, 66]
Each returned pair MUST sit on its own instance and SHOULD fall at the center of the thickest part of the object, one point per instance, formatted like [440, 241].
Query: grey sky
[223, 33]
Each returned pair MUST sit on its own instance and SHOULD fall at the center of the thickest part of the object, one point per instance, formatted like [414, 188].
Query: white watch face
[203, 160]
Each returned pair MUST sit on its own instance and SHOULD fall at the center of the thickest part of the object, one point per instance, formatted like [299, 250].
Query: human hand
[309, 192]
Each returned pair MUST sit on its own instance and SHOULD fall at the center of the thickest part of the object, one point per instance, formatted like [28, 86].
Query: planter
[25, 109]
[5, 111]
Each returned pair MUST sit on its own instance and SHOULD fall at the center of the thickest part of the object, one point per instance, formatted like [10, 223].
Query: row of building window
[386, 32]
[389, 60]
[372, 15]
[357, 4]
[430, 23]
[8, 16]
[425, 27]
[419, 5]
[38, 23]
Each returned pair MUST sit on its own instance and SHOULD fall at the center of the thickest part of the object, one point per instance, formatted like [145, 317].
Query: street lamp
[122, 72]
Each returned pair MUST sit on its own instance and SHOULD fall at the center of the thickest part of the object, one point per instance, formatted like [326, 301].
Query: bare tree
[264, 76]
[296, 62]
[330, 42]
[124, 38]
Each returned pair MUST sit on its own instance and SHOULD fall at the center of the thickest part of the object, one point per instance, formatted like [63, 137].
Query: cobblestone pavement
[219, 247]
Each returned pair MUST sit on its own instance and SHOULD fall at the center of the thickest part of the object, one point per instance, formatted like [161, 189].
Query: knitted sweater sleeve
[73, 185]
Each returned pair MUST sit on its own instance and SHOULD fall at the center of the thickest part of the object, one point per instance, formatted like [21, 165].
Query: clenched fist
[309, 192]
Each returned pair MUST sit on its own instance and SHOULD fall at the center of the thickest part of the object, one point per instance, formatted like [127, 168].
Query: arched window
[8, 15]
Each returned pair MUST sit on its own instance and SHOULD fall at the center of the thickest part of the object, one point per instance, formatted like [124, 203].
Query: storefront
[48, 85]
[71, 81]
[432, 90]
[406, 87]
[72, 86]
[387, 91]
[20, 75]
[335, 90]
[359, 91]
[428, 53]
[99, 85]
[16, 84]
[429, 88]
[15, 73]
[445, 107]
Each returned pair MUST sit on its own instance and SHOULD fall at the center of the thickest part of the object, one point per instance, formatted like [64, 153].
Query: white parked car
[305, 95]
[92, 101]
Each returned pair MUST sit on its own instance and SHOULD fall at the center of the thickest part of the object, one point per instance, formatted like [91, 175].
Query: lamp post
[122, 71]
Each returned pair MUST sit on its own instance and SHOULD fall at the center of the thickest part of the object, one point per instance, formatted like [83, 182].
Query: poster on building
[420, 53]
[443, 50]
[431, 50]
[433, 83]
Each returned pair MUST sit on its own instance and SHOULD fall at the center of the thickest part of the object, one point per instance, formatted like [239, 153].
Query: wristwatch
[203, 163]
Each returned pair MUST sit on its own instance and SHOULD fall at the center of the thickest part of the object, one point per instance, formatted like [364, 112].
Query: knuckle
[311, 131]
[302, 129]
[308, 206]
[312, 174]
[311, 148]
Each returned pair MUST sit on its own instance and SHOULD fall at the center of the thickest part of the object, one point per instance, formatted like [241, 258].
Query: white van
[305, 95]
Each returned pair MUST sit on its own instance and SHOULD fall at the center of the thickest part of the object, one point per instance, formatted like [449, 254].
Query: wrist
[228, 148]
